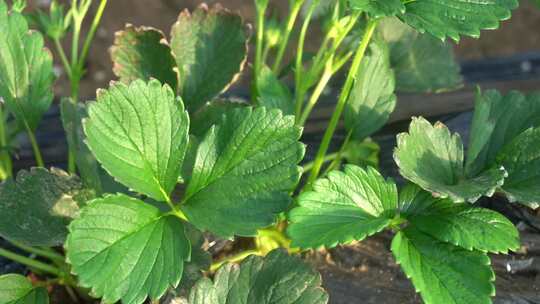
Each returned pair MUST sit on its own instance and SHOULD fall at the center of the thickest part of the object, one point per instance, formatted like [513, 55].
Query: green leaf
[124, 249]
[537, 2]
[210, 48]
[200, 260]
[273, 94]
[26, 71]
[460, 224]
[344, 207]
[372, 98]
[443, 273]
[276, 279]
[211, 114]
[521, 158]
[378, 8]
[432, 157]
[244, 171]
[453, 18]
[37, 206]
[414, 201]
[139, 133]
[421, 62]
[16, 289]
[496, 122]
[143, 53]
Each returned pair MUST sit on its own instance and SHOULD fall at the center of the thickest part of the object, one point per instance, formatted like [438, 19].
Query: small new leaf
[124, 249]
[210, 48]
[142, 53]
[344, 207]
[38, 205]
[441, 272]
[432, 157]
[276, 279]
[372, 98]
[521, 158]
[139, 133]
[26, 70]
[244, 170]
[16, 289]
[459, 223]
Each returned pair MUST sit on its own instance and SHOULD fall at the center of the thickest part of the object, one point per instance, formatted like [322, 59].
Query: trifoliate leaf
[139, 133]
[452, 18]
[496, 122]
[346, 206]
[421, 62]
[124, 249]
[521, 158]
[244, 171]
[378, 8]
[38, 205]
[432, 157]
[26, 71]
[464, 226]
[142, 53]
[16, 289]
[210, 48]
[372, 98]
[273, 94]
[441, 272]
[276, 279]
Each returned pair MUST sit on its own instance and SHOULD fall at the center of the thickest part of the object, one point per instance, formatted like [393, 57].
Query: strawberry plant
[164, 157]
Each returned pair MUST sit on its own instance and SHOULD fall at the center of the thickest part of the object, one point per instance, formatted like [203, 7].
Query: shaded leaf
[244, 171]
[276, 279]
[211, 114]
[273, 94]
[432, 157]
[38, 205]
[124, 249]
[16, 289]
[421, 62]
[210, 48]
[378, 8]
[453, 18]
[496, 122]
[521, 158]
[372, 98]
[139, 133]
[143, 53]
[26, 71]
[344, 207]
[441, 272]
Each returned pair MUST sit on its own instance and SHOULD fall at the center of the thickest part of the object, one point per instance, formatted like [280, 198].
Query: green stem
[63, 58]
[299, 69]
[31, 263]
[44, 252]
[91, 33]
[317, 92]
[75, 44]
[370, 29]
[291, 20]
[257, 66]
[327, 158]
[35, 147]
[339, 156]
[233, 259]
[6, 166]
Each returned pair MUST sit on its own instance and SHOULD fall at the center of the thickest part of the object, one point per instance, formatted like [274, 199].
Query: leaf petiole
[296, 5]
[31, 263]
[44, 252]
